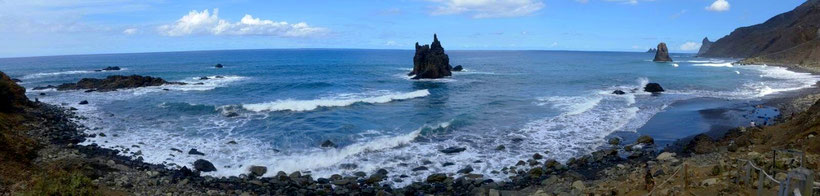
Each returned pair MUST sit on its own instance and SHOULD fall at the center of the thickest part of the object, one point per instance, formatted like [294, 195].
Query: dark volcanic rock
[204, 166]
[112, 83]
[16, 80]
[458, 68]
[83, 102]
[653, 88]
[195, 152]
[452, 150]
[652, 50]
[218, 66]
[430, 61]
[328, 144]
[662, 55]
[618, 92]
[13, 96]
[109, 68]
[705, 45]
[44, 87]
[701, 144]
[645, 140]
[258, 170]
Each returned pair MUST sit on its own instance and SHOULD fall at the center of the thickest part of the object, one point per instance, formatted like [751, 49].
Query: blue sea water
[289, 101]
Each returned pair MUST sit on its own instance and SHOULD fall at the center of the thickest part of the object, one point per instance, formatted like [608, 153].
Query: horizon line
[214, 50]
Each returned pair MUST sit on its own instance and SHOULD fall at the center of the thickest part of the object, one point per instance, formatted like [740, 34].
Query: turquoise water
[290, 101]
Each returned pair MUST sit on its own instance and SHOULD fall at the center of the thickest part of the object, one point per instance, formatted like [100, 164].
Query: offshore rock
[662, 55]
[112, 83]
[204, 166]
[653, 88]
[430, 61]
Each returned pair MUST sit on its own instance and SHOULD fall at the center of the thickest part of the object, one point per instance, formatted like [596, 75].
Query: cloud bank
[205, 23]
[488, 8]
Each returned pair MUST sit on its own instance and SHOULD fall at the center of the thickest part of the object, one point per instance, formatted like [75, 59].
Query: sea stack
[662, 55]
[706, 44]
[430, 61]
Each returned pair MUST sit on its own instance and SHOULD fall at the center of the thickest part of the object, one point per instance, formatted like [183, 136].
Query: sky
[61, 27]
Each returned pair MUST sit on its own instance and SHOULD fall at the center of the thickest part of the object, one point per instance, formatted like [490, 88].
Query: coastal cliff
[430, 61]
[704, 46]
[788, 38]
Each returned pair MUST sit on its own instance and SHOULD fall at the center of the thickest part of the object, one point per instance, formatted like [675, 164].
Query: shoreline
[125, 175]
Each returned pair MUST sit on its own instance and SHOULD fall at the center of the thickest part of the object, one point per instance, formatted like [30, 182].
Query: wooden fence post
[760, 183]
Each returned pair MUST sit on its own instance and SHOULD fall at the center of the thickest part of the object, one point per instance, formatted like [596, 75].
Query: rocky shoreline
[55, 128]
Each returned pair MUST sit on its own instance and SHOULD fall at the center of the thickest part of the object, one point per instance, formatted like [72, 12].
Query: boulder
[420, 168]
[83, 102]
[328, 144]
[453, 150]
[204, 166]
[434, 178]
[114, 68]
[618, 92]
[662, 55]
[645, 139]
[615, 141]
[430, 61]
[653, 88]
[701, 144]
[44, 87]
[458, 68]
[666, 156]
[465, 170]
[195, 152]
[112, 83]
[218, 65]
[13, 95]
[258, 170]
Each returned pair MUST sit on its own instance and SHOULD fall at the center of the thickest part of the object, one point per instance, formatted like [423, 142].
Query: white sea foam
[714, 65]
[572, 105]
[307, 105]
[50, 74]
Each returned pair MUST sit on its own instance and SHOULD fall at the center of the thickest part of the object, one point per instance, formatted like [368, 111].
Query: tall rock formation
[784, 39]
[12, 96]
[662, 55]
[705, 45]
[430, 61]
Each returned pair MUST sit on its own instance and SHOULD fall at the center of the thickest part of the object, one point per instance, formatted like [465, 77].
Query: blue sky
[48, 27]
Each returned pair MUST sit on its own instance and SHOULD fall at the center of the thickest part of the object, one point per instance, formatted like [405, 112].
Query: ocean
[556, 103]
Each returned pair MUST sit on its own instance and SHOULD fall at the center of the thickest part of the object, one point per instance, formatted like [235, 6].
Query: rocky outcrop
[430, 61]
[662, 54]
[218, 66]
[458, 68]
[652, 50]
[704, 46]
[653, 88]
[204, 165]
[783, 39]
[114, 68]
[13, 95]
[112, 83]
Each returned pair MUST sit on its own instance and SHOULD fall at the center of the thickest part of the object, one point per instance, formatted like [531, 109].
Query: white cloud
[210, 24]
[719, 6]
[690, 46]
[631, 2]
[130, 31]
[488, 8]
